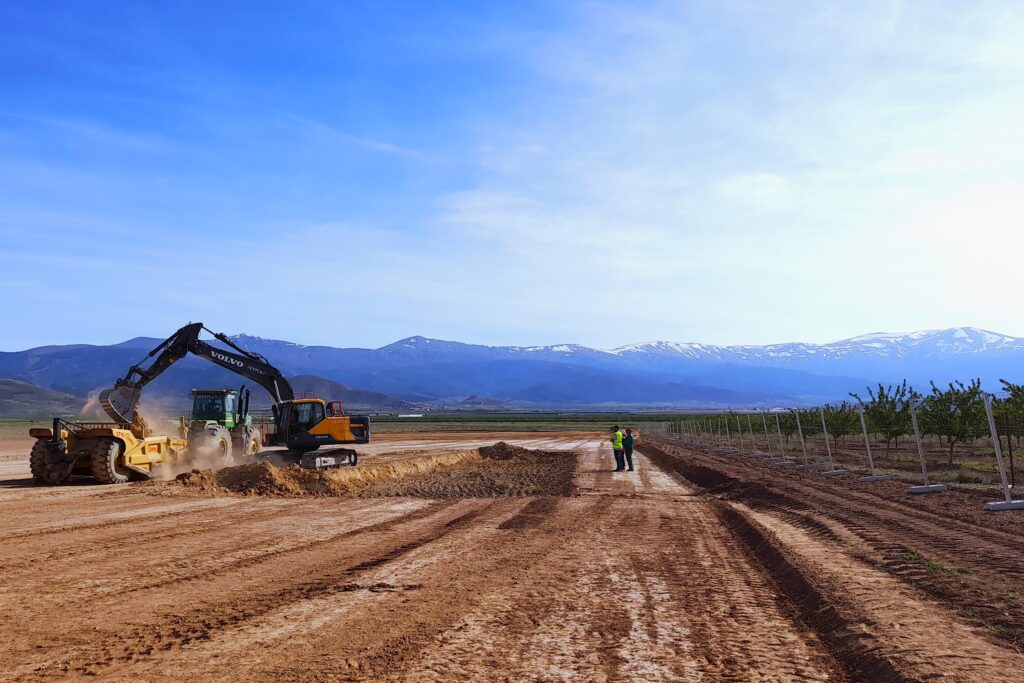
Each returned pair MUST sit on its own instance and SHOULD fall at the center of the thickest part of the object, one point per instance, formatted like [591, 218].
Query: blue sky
[527, 173]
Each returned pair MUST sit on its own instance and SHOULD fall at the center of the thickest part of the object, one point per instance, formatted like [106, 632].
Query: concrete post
[807, 465]
[867, 447]
[785, 462]
[927, 488]
[1008, 503]
[828, 448]
[767, 439]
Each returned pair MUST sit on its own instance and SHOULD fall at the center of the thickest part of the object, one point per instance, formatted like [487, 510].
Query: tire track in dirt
[949, 538]
[881, 628]
[254, 554]
[922, 638]
[974, 568]
[102, 520]
[642, 577]
[607, 607]
[206, 553]
[30, 551]
[346, 601]
[176, 630]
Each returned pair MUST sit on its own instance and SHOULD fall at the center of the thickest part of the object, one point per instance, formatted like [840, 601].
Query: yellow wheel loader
[109, 453]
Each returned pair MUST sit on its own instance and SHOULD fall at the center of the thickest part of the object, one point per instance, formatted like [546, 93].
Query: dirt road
[643, 576]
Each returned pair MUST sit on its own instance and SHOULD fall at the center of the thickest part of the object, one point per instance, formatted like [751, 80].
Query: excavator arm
[121, 400]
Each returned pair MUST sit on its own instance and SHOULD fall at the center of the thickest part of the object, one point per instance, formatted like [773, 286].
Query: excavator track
[327, 460]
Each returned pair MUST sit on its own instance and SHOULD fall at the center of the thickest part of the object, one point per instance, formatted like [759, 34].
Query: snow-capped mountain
[920, 357]
[655, 373]
[958, 340]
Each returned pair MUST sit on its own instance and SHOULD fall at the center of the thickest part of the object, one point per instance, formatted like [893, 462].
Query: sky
[352, 173]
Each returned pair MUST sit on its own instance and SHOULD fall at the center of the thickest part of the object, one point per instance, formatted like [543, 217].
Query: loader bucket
[119, 403]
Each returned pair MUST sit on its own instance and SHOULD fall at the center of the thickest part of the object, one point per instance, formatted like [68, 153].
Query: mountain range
[422, 371]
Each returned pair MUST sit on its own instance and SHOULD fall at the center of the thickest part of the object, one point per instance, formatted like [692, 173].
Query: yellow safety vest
[617, 441]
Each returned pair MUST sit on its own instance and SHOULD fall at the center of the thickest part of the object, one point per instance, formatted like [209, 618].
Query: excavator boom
[121, 400]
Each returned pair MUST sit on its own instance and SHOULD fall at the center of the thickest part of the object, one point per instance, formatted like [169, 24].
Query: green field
[457, 422]
[18, 429]
[501, 422]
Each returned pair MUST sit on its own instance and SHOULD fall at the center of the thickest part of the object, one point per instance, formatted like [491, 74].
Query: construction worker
[616, 440]
[627, 448]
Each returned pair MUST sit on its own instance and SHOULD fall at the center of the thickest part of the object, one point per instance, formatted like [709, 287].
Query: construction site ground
[699, 566]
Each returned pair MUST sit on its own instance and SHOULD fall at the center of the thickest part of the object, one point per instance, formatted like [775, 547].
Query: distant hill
[352, 399]
[21, 399]
[481, 403]
[655, 374]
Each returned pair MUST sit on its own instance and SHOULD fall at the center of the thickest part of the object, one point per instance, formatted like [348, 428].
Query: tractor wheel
[247, 444]
[49, 467]
[252, 446]
[215, 444]
[104, 460]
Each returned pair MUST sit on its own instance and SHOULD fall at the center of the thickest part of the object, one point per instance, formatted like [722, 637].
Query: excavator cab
[305, 415]
[306, 424]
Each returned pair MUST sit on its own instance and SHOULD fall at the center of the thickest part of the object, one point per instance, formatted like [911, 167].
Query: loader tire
[104, 465]
[47, 466]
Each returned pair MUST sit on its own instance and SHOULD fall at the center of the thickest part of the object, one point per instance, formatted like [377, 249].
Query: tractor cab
[225, 407]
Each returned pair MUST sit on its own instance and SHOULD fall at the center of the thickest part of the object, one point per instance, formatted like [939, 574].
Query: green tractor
[220, 425]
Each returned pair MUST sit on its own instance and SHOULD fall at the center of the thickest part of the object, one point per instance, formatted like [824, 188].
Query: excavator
[113, 453]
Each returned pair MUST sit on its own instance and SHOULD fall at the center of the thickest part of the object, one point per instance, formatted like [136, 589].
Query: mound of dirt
[203, 480]
[260, 478]
[506, 451]
[501, 470]
[492, 471]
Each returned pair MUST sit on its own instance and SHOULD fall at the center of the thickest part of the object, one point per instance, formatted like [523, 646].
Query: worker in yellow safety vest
[617, 436]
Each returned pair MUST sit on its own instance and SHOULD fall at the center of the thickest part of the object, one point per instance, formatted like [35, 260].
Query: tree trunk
[952, 445]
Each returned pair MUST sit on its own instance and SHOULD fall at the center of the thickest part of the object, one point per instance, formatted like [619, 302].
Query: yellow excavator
[115, 452]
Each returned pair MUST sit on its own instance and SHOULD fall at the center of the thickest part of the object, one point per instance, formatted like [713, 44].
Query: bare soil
[698, 566]
[498, 470]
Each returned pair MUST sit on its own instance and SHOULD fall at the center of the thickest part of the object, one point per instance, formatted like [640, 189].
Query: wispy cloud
[715, 171]
[324, 131]
[83, 132]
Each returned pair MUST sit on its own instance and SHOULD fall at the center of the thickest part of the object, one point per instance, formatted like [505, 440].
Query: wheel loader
[108, 452]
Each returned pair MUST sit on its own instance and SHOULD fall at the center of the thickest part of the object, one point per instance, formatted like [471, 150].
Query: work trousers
[619, 459]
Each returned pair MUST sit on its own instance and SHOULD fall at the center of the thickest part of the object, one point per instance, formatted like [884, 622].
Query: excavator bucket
[119, 403]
